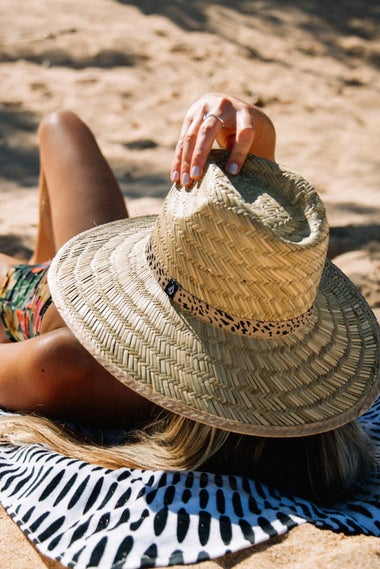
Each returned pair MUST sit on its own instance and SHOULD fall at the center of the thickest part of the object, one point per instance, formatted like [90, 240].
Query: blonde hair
[170, 442]
[322, 467]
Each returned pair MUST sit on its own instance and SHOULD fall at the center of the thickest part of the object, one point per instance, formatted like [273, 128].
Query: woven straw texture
[315, 379]
[244, 240]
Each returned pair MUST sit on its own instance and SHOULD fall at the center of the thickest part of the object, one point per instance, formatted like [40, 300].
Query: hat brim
[313, 380]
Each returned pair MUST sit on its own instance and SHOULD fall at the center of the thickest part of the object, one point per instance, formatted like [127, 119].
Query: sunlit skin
[52, 373]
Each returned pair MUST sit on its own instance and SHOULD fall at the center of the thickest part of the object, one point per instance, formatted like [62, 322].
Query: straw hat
[223, 307]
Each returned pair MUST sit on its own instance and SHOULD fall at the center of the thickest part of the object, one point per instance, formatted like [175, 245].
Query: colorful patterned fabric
[24, 299]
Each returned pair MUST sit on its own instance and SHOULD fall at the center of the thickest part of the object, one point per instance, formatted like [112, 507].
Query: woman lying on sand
[216, 334]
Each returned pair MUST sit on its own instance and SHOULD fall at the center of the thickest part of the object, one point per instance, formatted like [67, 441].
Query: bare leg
[77, 187]
[45, 245]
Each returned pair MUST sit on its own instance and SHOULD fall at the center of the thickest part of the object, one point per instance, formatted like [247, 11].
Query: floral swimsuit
[24, 299]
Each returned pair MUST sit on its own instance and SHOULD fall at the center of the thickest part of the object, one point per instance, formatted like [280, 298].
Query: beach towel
[87, 516]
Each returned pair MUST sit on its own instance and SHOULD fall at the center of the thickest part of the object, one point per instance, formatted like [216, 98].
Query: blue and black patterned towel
[86, 516]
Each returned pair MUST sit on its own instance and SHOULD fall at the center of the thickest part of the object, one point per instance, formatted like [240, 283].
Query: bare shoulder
[33, 367]
[53, 374]
[82, 388]
[57, 352]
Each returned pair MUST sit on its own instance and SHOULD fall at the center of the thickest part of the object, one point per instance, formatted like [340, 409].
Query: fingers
[195, 141]
[238, 139]
[212, 118]
[196, 150]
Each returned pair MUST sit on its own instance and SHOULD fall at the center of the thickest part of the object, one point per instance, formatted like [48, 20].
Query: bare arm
[55, 376]
[241, 128]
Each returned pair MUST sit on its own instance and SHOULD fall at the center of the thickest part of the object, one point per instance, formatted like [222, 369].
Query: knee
[57, 121]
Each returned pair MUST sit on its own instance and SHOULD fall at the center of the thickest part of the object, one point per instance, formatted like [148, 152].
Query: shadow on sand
[19, 158]
[346, 17]
[353, 237]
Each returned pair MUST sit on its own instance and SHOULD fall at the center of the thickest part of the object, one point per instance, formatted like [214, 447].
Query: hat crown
[253, 245]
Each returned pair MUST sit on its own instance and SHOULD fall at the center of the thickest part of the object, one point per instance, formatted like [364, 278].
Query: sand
[131, 69]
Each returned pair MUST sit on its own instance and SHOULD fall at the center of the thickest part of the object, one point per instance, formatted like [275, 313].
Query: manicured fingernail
[195, 172]
[232, 168]
[175, 176]
[185, 181]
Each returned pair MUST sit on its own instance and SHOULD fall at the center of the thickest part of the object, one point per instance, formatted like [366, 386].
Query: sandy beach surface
[131, 69]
